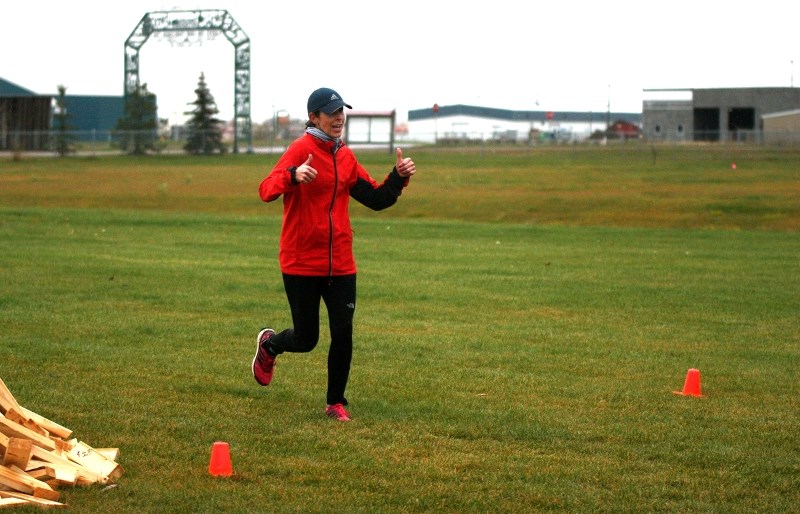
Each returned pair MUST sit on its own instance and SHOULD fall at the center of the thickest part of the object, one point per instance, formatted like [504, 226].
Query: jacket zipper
[330, 214]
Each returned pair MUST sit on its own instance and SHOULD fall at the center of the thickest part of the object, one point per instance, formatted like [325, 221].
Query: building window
[680, 128]
[658, 129]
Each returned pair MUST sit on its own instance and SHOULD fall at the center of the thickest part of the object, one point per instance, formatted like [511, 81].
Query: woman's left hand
[405, 167]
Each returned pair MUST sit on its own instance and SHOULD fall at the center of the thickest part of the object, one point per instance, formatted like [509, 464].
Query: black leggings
[304, 294]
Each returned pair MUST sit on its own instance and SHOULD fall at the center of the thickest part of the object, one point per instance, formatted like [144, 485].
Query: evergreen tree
[61, 118]
[136, 133]
[204, 130]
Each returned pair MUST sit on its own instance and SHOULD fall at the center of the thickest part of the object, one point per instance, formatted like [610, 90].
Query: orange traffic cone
[220, 464]
[691, 387]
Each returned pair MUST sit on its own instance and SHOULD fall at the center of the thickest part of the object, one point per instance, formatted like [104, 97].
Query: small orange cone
[691, 387]
[220, 464]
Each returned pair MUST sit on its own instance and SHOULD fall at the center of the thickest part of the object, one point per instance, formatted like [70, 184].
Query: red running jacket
[316, 238]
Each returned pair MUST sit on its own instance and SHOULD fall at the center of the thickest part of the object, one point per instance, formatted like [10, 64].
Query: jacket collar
[332, 145]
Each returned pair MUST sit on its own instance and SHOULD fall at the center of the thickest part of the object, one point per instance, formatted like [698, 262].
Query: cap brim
[334, 106]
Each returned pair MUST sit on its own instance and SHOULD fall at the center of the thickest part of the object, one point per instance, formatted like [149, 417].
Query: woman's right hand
[305, 173]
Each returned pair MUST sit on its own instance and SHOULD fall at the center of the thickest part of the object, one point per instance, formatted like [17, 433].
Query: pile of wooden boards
[38, 455]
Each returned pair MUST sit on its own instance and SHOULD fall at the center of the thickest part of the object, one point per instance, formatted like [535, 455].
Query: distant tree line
[138, 131]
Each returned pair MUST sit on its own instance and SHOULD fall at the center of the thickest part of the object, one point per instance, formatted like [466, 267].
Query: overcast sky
[557, 55]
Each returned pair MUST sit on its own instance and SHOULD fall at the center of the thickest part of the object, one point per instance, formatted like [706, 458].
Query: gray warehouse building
[725, 114]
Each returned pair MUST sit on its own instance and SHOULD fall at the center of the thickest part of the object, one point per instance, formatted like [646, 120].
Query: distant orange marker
[691, 387]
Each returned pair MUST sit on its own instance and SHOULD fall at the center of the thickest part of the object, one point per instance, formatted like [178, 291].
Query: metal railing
[110, 142]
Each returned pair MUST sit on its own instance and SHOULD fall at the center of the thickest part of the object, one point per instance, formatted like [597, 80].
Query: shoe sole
[258, 347]
[340, 420]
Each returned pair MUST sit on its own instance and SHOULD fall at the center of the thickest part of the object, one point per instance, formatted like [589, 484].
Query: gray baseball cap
[326, 100]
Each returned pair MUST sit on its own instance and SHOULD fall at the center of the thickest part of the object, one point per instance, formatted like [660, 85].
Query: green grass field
[524, 317]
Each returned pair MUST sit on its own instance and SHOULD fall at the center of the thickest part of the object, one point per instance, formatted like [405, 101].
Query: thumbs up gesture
[305, 173]
[405, 167]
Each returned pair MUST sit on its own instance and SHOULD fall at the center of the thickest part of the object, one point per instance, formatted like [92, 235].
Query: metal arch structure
[198, 21]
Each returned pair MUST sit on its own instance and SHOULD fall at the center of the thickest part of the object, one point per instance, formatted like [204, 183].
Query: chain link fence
[97, 142]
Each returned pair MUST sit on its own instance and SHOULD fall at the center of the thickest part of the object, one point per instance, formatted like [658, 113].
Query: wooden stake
[18, 452]
[13, 429]
[7, 400]
[109, 453]
[86, 476]
[91, 459]
[39, 502]
[18, 480]
[51, 426]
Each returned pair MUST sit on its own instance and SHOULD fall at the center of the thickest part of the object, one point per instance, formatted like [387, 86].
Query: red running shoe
[337, 412]
[263, 362]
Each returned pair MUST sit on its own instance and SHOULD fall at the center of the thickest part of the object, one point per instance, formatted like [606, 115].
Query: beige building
[782, 128]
